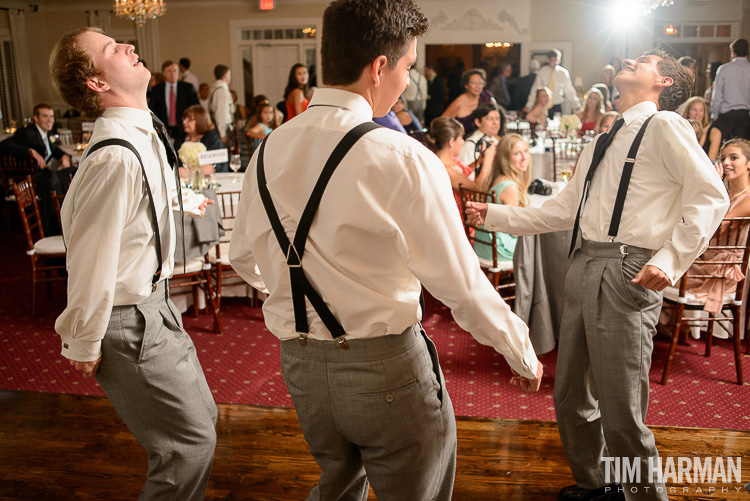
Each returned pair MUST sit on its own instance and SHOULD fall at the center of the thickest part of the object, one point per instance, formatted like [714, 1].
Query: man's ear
[376, 70]
[97, 84]
[664, 82]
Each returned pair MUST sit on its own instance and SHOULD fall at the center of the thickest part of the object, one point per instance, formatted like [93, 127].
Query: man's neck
[628, 101]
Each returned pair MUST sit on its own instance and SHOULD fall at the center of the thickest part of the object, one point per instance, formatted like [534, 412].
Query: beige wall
[190, 29]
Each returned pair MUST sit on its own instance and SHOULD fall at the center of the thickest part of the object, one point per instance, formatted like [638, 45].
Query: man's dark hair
[504, 65]
[556, 54]
[485, 109]
[739, 47]
[431, 66]
[356, 32]
[682, 80]
[185, 63]
[220, 70]
[687, 61]
[166, 64]
[39, 107]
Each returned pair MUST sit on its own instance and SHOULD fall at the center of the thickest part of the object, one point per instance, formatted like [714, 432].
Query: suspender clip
[292, 257]
[624, 250]
[302, 339]
[153, 288]
[342, 342]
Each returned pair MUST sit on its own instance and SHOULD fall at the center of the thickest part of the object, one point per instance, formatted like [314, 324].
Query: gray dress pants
[152, 377]
[376, 413]
[604, 356]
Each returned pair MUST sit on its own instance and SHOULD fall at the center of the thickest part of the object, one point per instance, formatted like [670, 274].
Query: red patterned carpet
[242, 365]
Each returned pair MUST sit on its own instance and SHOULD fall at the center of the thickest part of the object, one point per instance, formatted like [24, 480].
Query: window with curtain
[9, 102]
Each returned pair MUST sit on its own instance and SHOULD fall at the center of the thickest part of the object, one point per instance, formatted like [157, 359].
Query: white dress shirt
[45, 140]
[387, 221]
[106, 222]
[674, 203]
[220, 105]
[189, 77]
[468, 154]
[731, 87]
[563, 91]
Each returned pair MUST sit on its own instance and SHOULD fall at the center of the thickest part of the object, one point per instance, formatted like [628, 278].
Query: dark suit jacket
[27, 138]
[522, 89]
[185, 98]
[436, 103]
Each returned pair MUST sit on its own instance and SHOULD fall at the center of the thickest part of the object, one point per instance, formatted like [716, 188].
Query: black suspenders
[126, 144]
[294, 252]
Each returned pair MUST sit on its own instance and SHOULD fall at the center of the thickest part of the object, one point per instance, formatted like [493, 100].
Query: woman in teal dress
[509, 180]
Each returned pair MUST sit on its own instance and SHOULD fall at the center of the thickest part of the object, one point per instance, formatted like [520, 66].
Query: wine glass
[235, 162]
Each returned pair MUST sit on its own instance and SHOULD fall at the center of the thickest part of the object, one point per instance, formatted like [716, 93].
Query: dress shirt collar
[343, 99]
[638, 110]
[41, 132]
[139, 118]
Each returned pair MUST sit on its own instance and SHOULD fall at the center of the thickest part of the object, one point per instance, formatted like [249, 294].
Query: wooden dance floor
[62, 447]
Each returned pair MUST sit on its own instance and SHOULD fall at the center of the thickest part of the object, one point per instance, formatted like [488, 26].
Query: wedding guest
[52, 167]
[220, 107]
[259, 99]
[499, 85]
[628, 255]
[408, 119]
[557, 80]
[170, 99]
[711, 70]
[696, 109]
[605, 94]
[591, 111]
[187, 75]
[199, 129]
[415, 95]
[435, 105]
[735, 163]
[539, 111]
[509, 180]
[616, 63]
[730, 102]
[295, 94]
[119, 324]
[464, 105]
[445, 139]
[524, 85]
[385, 227]
[489, 119]
[203, 93]
[264, 124]
[608, 79]
[605, 121]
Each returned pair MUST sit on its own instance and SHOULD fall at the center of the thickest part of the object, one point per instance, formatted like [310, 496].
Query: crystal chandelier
[140, 11]
[651, 5]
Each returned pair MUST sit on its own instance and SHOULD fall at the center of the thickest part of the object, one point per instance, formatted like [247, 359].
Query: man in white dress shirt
[674, 203]
[120, 325]
[730, 102]
[220, 105]
[557, 79]
[372, 406]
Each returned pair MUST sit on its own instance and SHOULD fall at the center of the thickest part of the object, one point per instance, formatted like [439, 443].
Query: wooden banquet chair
[197, 275]
[228, 203]
[13, 169]
[500, 273]
[678, 299]
[42, 250]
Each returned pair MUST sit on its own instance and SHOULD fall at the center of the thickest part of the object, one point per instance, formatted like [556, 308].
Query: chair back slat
[474, 232]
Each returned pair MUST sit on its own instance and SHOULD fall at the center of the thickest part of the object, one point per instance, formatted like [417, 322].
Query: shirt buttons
[389, 398]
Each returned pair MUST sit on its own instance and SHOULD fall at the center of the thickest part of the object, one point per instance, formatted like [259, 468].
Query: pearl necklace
[738, 194]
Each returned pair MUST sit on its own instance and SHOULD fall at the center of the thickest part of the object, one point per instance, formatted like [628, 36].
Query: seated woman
[409, 120]
[509, 179]
[462, 108]
[446, 138]
[696, 109]
[591, 111]
[264, 124]
[296, 91]
[539, 112]
[489, 119]
[199, 128]
[735, 162]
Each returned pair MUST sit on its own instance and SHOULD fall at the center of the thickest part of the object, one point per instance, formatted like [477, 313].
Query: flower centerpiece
[569, 122]
[188, 153]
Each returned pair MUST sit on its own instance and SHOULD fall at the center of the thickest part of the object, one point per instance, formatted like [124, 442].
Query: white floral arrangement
[570, 122]
[189, 152]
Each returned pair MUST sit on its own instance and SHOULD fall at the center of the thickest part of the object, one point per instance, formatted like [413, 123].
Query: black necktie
[173, 160]
[601, 147]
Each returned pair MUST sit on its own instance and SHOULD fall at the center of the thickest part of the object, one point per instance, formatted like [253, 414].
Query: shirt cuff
[495, 217]
[80, 350]
[667, 262]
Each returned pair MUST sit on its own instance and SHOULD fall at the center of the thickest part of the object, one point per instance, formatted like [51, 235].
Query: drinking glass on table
[235, 162]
